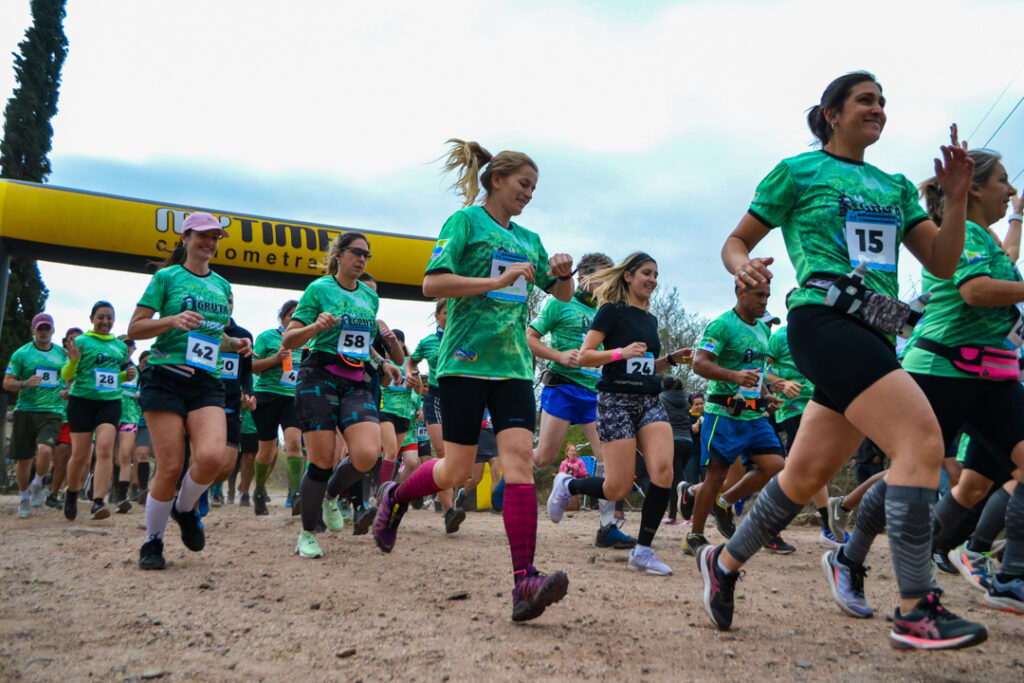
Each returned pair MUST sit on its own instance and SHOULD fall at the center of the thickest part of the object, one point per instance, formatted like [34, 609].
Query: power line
[971, 136]
[1021, 100]
[1017, 176]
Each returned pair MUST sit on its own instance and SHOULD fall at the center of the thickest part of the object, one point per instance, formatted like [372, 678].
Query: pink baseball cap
[42, 319]
[200, 221]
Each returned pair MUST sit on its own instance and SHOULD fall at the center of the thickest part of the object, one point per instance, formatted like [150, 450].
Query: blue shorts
[570, 402]
[725, 439]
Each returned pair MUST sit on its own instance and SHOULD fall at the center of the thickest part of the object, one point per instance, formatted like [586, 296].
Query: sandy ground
[75, 606]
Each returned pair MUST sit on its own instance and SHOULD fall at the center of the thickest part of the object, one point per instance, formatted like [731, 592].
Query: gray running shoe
[559, 499]
[847, 585]
[642, 559]
[838, 517]
[35, 495]
[24, 508]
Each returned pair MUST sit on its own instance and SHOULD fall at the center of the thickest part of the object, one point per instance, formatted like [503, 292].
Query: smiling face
[514, 191]
[642, 281]
[102, 320]
[201, 246]
[862, 117]
[993, 198]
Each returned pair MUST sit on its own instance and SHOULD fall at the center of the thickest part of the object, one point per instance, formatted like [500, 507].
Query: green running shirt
[737, 346]
[568, 323]
[29, 360]
[784, 367]
[98, 374]
[357, 309]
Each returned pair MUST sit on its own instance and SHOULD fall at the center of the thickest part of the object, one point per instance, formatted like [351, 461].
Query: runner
[34, 372]
[629, 414]
[143, 446]
[486, 266]
[277, 371]
[127, 430]
[97, 362]
[248, 447]
[236, 376]
[569, 395]
[180, 386]
[337, 319]
[964, 354]
[673, 400]
[835, 210]
[62, 450]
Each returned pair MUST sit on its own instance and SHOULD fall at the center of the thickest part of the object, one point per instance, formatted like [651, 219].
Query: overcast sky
[651, 123]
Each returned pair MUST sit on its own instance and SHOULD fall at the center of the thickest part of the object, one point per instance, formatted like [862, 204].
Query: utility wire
[1019, 102]
[971, 136]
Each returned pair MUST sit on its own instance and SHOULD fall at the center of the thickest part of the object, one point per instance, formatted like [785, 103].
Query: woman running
[835, 211]
[629, 414]
[337, 319]
[486, 265]
[277, 370]
[97, 363]
[964, 355]
[181, 389]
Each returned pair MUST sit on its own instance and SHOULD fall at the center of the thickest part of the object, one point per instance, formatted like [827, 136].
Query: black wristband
[670, 359]
[563, 278]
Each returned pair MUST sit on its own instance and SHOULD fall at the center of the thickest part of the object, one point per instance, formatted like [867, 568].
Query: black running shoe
[778, 546]
[684, 492]
[718, 586]
[71, 505]
[243, 500]
[192, 534]
[151, 555]
[259, 504]
[460, 500]
[99, 511]
[296, 510]
[930, 626]
[941, 559]
[52, 502]
[723, 519]
[453, 518]
[123, 506]
[362, 519]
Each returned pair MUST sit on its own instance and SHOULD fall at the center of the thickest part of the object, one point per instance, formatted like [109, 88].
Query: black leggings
[682, 449]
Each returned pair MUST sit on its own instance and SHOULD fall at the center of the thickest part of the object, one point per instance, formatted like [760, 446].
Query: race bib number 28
[105, 380]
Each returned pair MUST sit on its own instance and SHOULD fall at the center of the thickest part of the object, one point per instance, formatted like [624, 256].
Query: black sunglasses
[43, 326]
[359, 252]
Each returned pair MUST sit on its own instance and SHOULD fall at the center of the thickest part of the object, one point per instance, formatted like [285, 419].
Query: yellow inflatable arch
[105, 231]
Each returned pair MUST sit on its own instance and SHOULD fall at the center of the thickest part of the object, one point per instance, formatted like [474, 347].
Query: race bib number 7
[871, 237]
[515, 291]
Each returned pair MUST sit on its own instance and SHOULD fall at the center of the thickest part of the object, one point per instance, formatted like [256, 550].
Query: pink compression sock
[387, 470]
[420, 483]
[520, 513]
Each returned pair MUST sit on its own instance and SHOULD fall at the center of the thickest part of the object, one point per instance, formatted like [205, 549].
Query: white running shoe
[642, 559]
[559, 499]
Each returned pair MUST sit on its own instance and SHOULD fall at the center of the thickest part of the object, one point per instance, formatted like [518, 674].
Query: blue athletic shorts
[570, 402]
[725, 439]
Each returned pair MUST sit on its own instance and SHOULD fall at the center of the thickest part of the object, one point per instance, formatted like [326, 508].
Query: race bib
[753, 392]
[229, 365]
[1015, 336]
[421, 433]
[871, 237]
[49, 377]
[290, 378]
[644, 365]
[515, 291]
[355, 342]
[202, 352]
[105, 380]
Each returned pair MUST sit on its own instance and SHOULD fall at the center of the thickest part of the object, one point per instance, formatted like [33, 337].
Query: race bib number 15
[871, 237]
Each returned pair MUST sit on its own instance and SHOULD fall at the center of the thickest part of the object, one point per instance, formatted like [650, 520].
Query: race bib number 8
[871, 237]
[49, 377]
[644, 365]
[354, 342]
[515, 291]
[105, 380]
[202, 352]
[229, 365]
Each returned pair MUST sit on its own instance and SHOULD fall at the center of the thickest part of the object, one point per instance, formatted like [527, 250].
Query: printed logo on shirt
[463, 354]
[973, 256]
[710, 345]
[438, 248]
[750, 356]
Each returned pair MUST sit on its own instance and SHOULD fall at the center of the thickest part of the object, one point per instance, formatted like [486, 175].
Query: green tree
[678, 329]
[23, 153]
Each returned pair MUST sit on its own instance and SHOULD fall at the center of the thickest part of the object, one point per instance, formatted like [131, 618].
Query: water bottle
[916, 311]
[845, 292]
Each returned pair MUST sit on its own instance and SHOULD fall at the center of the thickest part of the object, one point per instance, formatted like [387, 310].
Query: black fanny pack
[736, 405]
[848, 294]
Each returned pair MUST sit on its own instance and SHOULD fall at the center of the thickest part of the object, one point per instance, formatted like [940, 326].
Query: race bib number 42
[871, 237]
[202, 352]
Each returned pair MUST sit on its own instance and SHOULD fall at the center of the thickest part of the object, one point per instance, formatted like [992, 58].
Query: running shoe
[535, 591]
[99, 511]
[143, 496]
[642, 559]
[35, 495]
[204, 503]
[389, 516]
[363, 519]
[827, 539]
[151, 554]
[259, 504]
[838, 516]
[460, 500]
[847, 585]
[243, 500]
[670, 521]
[453, 517]
[740, 505]
[288, 499]
[559, 499]
[192, 534]
[693, 543]
[973, 566]
[307, 546]
[609, 536]
[723, 519]
[498, 495]
[345, 508]
[24, 508]
[296, 507]
[71, 506]
[718, 586]
[123, 506]
[416, 503]
[217, 500]
[778, 546]
[685, 499]
[52, 502]
[332, 515]
[1006, 597]
[942, 562]
[930, 626]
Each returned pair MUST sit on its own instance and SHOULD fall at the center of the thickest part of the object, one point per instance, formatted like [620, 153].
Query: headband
[635, 262]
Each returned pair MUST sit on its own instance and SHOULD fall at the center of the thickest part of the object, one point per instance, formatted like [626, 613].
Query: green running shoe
[307, 546]
[332, 515]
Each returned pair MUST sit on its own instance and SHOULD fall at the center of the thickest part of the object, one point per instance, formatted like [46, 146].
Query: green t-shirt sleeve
[450, 244]
[14, 365]
[977, 258]
[309, 307]
[775, 196]
[262, 348]
[775, 344]
[547, 318]
[153, 297]
[715, 337]
[541, 278]
[913, 212]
